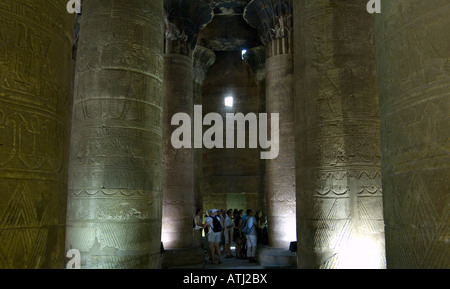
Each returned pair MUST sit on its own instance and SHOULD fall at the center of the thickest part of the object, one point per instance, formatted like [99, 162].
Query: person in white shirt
[227, 232]
[214, 234]
[252, 239]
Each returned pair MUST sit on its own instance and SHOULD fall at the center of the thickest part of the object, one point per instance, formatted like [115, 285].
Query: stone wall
[230, 171]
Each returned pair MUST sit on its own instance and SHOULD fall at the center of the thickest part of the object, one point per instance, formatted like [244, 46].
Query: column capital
[184, 19]
[204, 58]
[256, 59]
[272, 18]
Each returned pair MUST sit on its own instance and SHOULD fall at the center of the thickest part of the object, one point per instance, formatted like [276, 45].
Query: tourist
[227, 233]
[251, 236]
[215, 232]
[239, 238]
[198, 227]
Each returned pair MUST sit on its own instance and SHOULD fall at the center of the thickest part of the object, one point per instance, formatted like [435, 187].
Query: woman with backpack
[214, 235]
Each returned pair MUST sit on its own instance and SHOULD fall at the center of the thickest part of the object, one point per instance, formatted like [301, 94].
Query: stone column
[204, 58]
[35, 78]
[339, 196]
[273, 19]
[184, 19]
[115, 183]
[413, 46]
[256, 60]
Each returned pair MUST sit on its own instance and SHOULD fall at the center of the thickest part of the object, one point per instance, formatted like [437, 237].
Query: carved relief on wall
[414, 78]
[35, 58]
[32, 57]
[114, 211]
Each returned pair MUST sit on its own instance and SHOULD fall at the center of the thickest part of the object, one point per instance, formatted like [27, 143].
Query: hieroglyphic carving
[339, 194]
[413, 54]
[114, 211]
[35, 59]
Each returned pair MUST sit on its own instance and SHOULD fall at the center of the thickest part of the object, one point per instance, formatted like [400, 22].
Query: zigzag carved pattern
[422, 232]
[23, 234]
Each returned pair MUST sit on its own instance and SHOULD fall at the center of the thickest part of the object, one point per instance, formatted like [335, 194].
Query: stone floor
[232, 263]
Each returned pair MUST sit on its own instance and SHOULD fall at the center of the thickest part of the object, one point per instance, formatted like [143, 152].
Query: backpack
[217, 226]
[246, 229]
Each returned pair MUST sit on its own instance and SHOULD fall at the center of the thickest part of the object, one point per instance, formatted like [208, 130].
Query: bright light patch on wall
[288, 227]
[244, 51]
[361, 253]
[229, 101]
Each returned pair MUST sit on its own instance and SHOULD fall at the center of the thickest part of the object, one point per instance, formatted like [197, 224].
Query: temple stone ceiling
[228, 7]
[228, 31]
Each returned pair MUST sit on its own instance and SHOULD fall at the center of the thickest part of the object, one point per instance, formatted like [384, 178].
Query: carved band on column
[114, 200]
[414, 82]
[339, 196]
[35, 77]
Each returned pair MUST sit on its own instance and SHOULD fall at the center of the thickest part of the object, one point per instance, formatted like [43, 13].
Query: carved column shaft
[35, 78]
[281, 171]
[414, 80]
[114, 210]
[256, 60]
[339, 199]
[273, 19]
[178, 168]
[203, 59]
[184, 19]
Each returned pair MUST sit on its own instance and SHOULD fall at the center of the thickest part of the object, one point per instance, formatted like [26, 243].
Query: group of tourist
[225, 227]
